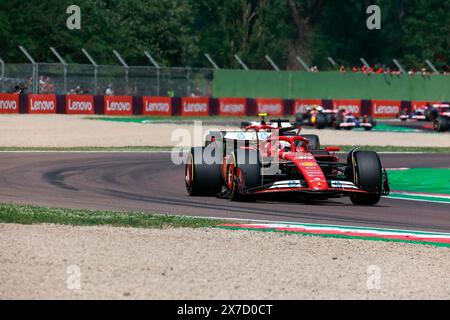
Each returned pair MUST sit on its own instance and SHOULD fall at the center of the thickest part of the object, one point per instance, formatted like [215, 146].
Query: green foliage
[178, 32]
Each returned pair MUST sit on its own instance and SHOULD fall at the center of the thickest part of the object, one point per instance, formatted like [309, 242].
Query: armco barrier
[232, 106]
[157, 106]
[386, 108]
[9, 103]
[41, 103]
[353, 106]
[274, 107]
[118, 105]
[195, 106]
[79, 104]
[192, 106]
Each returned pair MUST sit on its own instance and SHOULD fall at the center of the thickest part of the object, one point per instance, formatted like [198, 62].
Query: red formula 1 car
[263, 160]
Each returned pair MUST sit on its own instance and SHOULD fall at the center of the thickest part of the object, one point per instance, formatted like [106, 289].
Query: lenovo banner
[421, 105]
[118, 105]
[79, 104]
[232, 106]
[274, 107]
[157, 106]
[353, 106]
[301, 105]
[386, 108]
[9, 103]
[41, 103]
[195, 106]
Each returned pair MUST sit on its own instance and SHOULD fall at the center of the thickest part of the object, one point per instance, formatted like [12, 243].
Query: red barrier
[300, 105]
[386, 108]
[195, 106]
[157, 106]
[79, 104]
[118, 105]
[41, 103]
[274, 107]
[353, 106]
[9, 103]
[421, 104]
[232, 106]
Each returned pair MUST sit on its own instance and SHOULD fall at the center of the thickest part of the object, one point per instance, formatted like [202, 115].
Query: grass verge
[26, 214]
[150, 148]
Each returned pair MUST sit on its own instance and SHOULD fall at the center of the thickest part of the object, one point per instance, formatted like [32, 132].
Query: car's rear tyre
[441, 124]
[321, 121]
[202, 173]
[314, 141]
[244, 172]
[367, 174]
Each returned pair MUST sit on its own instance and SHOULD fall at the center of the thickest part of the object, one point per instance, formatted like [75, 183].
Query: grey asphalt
[150, 182]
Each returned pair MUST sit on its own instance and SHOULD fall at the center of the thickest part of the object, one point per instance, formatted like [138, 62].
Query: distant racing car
[347, 120]
[262, 159]
[441, 123]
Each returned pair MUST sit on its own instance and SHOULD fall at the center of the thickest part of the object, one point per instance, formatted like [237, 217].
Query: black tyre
[330, 119]
[321, 121]
[428, 114]
[366, 173]
[243, 173]
[314, 142]
[299, 120]
[202, 173]
[441, 124]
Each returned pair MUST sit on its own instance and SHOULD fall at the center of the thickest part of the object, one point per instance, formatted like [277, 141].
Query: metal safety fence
[105, 79]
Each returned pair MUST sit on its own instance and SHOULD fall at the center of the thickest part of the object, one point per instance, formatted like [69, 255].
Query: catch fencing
[56, 78]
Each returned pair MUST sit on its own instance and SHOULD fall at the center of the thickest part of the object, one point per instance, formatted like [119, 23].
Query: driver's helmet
[284, 145]
[319, 109]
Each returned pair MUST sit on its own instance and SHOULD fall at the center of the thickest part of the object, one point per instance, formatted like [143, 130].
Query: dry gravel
[131, 263]
[76, 131]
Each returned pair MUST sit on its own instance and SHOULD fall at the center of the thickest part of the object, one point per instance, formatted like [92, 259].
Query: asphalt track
[150, 182]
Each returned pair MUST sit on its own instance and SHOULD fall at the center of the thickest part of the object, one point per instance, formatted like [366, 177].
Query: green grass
[26, 214]
[150, 148]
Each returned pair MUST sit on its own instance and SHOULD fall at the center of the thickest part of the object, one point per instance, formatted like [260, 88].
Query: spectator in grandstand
[412, 72]
[41, 84]
[425, 72]
[314, 69]
[342, 69]
[378, 69]
[355, 69]
[109, 91]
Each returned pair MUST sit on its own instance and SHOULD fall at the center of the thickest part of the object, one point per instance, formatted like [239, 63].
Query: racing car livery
[338, 119]
[441, 114]
[260, 160]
